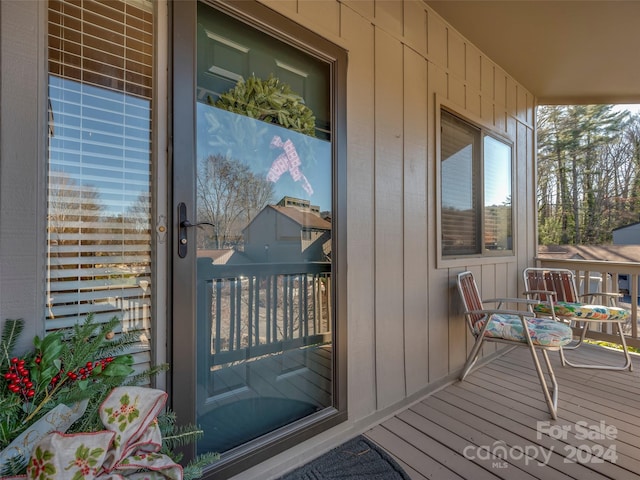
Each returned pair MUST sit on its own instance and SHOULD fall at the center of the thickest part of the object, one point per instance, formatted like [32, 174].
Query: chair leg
[583, 335]
[550, 398]
[627, 365]
[625, 349]
[473, 357]
[554, 382]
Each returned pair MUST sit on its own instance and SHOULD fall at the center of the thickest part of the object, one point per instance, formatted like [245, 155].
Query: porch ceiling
[564, 52]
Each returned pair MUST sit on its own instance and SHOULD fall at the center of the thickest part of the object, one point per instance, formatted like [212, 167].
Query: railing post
[633, 294]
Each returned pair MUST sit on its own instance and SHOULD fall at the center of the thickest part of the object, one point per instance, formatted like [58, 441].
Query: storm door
[254, 259]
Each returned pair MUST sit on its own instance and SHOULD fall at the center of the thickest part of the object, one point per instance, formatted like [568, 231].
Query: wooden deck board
[404, 451]
[501, 431]
[625, 434]
[502, 404]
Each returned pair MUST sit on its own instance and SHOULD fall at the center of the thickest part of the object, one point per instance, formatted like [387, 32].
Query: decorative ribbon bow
[287, 161]
[128, 448]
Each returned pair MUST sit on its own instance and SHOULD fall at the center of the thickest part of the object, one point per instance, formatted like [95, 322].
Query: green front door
[254, 261]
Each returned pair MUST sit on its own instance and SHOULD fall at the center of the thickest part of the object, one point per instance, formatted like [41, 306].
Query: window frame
[484, 130]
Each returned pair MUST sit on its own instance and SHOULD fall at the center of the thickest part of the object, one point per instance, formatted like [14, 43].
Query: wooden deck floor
[499, 409]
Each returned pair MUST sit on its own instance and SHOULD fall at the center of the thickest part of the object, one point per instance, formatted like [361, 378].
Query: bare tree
[229, 196]
[70, 206]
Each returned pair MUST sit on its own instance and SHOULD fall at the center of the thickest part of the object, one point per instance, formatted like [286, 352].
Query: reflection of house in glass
[290, 231]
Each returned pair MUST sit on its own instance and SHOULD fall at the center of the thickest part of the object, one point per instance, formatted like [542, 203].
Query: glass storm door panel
[257, 181]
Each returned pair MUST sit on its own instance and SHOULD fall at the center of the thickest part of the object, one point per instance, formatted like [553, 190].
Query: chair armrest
[601, 294]
[500, 301]
[605, 297]
[519, 313]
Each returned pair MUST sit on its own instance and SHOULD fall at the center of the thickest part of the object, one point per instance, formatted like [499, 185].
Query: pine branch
[14, 466]
[181, 436]
[195, 468]
[10, 333]
[146, 376]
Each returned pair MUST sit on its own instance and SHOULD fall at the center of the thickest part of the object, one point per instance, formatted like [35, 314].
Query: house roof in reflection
[223, 256]
[611, 253]
[304, 219]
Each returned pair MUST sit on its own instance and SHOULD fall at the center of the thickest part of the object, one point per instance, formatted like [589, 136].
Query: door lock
[183, 225]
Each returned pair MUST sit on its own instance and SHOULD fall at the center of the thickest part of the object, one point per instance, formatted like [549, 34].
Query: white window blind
[99, 165]
[460, 214]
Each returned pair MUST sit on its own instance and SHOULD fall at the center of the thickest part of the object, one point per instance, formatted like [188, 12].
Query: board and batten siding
[405, 328]
[22, 179]
[406, 334]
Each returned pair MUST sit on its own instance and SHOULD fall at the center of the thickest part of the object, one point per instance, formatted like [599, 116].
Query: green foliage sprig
[271, 101]
[82, 363]
[174, 437]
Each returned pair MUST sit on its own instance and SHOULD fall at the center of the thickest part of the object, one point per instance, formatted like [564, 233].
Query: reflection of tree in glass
[136, 230]
[229, 196]
[70, 208]
[80, 225]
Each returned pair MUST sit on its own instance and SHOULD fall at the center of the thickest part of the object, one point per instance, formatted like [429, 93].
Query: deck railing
[247, 311]
[606, 276]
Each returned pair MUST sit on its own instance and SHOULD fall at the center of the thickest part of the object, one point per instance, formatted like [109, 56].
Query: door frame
[182, 338]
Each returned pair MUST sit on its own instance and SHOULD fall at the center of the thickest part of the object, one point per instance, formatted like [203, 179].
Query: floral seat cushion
[582, 310]
[544, 332]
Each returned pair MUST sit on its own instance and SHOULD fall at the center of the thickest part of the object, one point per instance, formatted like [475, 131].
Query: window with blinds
[99, 165]
[475, 176]
[460, 216]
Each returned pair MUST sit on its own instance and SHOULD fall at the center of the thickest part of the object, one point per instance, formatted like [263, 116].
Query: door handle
[183, 225]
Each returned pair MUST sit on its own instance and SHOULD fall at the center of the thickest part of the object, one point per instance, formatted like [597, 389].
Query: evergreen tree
[581, 193]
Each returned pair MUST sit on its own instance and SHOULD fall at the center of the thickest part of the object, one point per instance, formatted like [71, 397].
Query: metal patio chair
[513, 327]
[555, 289]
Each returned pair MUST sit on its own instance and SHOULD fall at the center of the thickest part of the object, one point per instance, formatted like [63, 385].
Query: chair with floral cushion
[556, 291]
[512, 327]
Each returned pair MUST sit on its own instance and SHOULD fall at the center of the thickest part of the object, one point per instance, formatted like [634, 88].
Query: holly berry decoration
[18, 380]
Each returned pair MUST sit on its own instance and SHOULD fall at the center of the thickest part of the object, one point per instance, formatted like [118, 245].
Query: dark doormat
[357, 459]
